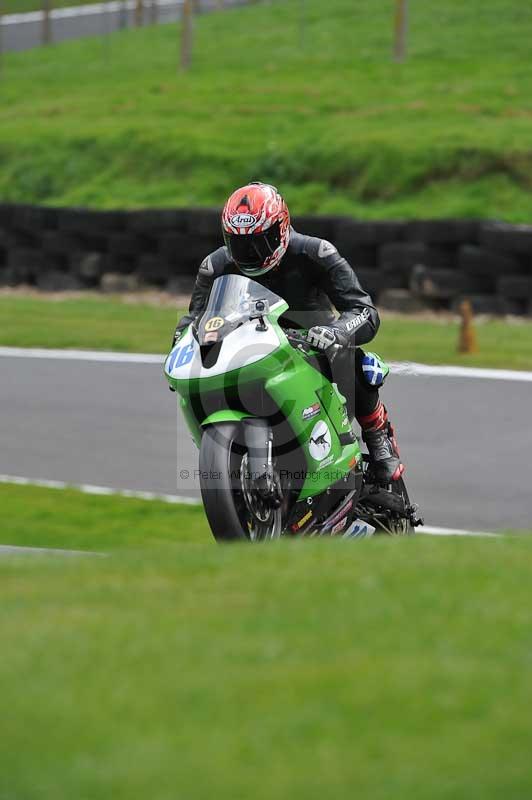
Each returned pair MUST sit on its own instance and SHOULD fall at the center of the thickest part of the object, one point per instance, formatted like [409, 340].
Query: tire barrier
[433, 264]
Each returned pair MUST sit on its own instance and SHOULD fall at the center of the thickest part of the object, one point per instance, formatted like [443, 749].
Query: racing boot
[379, 436]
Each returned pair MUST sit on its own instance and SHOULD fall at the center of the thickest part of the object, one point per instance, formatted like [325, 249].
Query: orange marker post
[468, 335]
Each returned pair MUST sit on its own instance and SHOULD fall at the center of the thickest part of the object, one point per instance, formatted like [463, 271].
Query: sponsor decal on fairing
[341, 513]
[311, 411]
[299, 524]
[320, 443]
[339, 526]
[359, 530]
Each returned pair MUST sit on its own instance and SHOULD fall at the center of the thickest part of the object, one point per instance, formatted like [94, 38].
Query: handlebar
[296, 339]
[294, 333]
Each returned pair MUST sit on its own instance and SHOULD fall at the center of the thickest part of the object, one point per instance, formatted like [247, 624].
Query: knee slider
[374, 370]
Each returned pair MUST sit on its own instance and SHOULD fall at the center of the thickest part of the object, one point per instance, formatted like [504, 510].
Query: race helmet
[256, 228]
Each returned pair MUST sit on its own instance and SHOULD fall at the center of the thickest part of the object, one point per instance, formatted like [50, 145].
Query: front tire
[232, 508]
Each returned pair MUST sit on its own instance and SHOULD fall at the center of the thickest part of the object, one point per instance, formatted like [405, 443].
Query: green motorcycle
[277, 452]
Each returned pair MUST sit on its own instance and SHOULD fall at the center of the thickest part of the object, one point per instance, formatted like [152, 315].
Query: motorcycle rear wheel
[388, 509]
[233, 509]
[397, 524]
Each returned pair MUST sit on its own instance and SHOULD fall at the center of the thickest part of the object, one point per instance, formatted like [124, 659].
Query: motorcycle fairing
[250, 355]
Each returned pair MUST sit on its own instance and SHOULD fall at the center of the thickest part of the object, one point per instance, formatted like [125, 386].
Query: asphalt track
[24, 31]
[466, 442]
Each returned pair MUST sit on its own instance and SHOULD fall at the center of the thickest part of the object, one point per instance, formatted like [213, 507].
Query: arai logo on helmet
[243, 220]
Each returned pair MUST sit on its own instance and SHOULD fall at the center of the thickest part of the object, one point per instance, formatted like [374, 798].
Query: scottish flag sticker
[375, 370]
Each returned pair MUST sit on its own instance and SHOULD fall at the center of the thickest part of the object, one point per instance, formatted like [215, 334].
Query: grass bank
[184, 669]
[91, 323]
[94, 323]
[68, 519]
[320, 109]
[24, 6]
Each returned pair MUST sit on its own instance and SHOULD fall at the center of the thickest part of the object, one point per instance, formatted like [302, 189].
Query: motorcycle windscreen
[229, 306]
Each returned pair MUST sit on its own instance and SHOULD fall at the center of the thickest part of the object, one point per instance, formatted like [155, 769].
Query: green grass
[89, 323]
[501, 345]
[301, 670]
[68, 519]
[23, 6]
[335, 123]
[111, 324]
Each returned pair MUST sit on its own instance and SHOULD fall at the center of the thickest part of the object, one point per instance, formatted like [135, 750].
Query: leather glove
[323, 337]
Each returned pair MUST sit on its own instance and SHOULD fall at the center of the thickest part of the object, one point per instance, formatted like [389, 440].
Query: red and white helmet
[256, 228]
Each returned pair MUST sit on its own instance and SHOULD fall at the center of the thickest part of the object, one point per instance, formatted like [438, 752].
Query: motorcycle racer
[311, 275]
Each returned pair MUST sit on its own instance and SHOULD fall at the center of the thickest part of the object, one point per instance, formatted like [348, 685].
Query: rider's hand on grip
[322, 337]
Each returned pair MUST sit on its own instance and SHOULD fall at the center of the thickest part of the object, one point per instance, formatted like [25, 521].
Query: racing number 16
[181, 357]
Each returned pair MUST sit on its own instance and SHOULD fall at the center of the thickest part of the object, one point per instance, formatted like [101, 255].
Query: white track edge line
[82, 355]
[88, 488]
[413, 369]
[432, 530]
[86, 10]
[410, 368]
[11, 549]
[190, 501]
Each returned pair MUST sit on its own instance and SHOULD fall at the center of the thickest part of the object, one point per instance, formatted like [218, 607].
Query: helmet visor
[251, 250]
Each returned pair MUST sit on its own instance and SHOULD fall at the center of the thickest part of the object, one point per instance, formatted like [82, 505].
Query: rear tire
[388, 508]
[233, 512]
[397, 524]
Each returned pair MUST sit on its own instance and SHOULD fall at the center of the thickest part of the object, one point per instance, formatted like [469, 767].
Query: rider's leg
[359, 377]
[371, 414]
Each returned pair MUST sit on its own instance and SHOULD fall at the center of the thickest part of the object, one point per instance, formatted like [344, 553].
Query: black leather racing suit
[312, 277]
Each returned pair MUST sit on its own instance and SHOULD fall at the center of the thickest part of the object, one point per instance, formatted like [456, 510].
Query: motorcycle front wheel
[233, 508]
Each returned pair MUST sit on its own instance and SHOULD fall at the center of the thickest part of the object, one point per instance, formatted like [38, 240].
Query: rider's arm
[359, 319]
[210, 268]
[198, 301]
